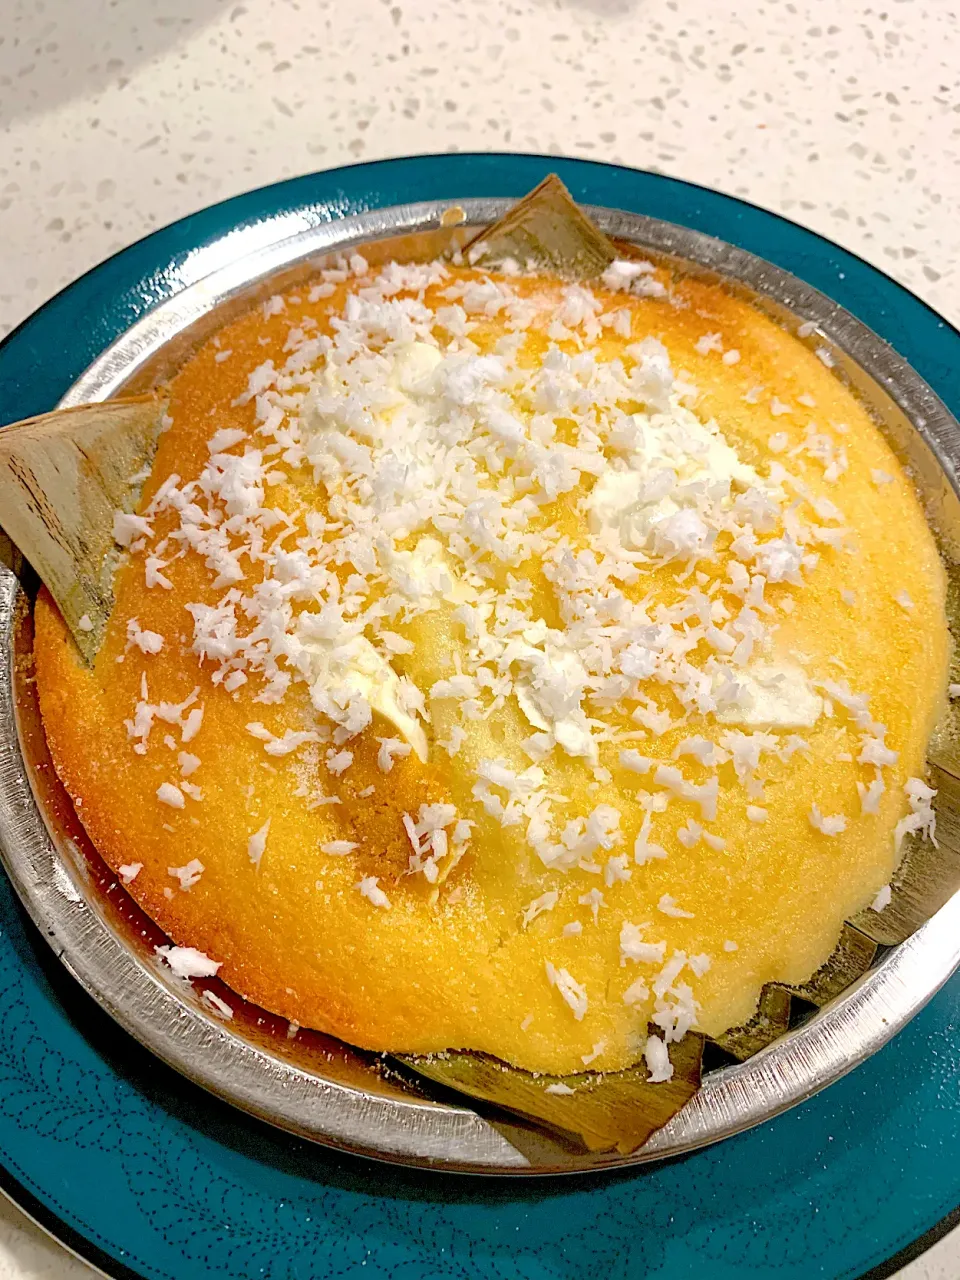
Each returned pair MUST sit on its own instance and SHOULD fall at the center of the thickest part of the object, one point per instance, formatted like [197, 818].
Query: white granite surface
[117, 116]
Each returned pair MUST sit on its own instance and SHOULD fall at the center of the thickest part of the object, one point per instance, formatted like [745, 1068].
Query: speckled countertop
[117, 116]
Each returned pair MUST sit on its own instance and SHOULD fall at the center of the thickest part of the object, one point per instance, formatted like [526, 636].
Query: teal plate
[147, 1176]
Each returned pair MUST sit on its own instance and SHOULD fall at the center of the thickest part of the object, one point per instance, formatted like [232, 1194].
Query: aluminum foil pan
[315, 1086]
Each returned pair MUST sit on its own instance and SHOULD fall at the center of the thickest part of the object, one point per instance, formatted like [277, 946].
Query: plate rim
[57, 1229]
[551, 161]
[101, 1263]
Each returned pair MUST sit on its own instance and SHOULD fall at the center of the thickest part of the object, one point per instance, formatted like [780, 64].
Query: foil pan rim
[390, 1122]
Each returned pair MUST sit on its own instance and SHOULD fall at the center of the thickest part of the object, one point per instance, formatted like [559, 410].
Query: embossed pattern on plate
[315, 1086]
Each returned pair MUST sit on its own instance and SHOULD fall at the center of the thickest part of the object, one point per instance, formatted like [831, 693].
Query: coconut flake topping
[444, 470]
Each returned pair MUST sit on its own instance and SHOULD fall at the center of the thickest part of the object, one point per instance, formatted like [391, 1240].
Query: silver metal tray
[313, 1085]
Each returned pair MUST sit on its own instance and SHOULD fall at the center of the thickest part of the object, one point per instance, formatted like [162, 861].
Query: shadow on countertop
[54, 50]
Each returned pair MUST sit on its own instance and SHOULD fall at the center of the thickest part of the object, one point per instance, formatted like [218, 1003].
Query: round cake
[505, 664]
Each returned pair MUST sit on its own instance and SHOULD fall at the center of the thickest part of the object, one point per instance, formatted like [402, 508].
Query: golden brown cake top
[505, 664]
